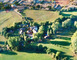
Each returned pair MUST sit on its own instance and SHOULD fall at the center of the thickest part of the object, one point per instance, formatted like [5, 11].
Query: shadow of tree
[65, 38]
[28, 18]
[62, 54]
[64, 43]
[1, 42]
[68, 57]
[54, 51]
[8, 52]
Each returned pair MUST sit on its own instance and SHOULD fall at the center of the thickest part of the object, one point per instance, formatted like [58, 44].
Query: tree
[75, 24]
[49, 7]
[38, 7]
[55, 26]
[37, 36]
[67, 23]
[41, 29]
[74, 42]
[16, 3]
[15, 43]
[49, 30]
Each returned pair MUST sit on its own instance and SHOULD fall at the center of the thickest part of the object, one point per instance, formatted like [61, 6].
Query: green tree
[41, 29]
[74, 42]
[16, 3]
[67, 23]
[38, 7]
[55, 26]
[15, 43]
[75, 24]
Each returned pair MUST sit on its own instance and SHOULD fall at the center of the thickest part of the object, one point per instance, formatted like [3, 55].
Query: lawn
[69, 13]
[24, 56]
[42, 15]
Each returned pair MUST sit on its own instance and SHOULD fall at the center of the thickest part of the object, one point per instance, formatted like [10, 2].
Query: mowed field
[24, 56]
[7, 19]
[42, 16]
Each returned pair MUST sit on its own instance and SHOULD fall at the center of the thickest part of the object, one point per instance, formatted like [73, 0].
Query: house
[62, 2]
[32, 30]
[21, 30]
[4, 1]
[13, 6]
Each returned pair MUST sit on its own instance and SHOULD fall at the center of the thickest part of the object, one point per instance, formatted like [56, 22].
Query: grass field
[41, 15]
[8, 19]
[24, 56]
[69, 13]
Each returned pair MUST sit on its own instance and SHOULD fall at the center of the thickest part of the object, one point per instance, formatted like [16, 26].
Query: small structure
[21, 30]
[34, 29]
[13, 6]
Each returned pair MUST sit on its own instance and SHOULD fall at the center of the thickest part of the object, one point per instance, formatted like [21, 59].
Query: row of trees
[4, 6]
[19, 44]
[38, 7]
